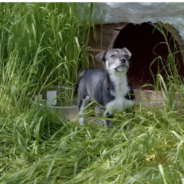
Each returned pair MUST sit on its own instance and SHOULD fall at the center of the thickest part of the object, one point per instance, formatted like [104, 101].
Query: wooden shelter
[144, 42]
[132, 25]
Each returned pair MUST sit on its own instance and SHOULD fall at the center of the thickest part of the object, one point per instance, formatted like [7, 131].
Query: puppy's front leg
[99, 111]
[82, 107]
[108, 123]
[131, 112]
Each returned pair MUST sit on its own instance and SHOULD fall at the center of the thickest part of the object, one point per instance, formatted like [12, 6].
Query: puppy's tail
[78, 79]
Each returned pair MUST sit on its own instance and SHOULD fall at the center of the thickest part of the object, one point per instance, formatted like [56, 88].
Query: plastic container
[60, 98]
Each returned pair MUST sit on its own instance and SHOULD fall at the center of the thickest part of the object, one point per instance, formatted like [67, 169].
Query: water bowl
[61, 99]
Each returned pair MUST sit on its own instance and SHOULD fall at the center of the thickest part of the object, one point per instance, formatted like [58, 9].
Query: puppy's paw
[82, 121]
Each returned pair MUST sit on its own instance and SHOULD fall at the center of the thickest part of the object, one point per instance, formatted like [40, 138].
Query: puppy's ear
[127, 52]
[101, 56]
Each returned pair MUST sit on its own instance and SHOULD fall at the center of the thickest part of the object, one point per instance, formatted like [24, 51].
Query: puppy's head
[116, 60]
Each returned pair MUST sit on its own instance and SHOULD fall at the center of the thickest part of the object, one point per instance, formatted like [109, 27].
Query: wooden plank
[116, 26]
[108, 37]
[93, 63]
[90, 49]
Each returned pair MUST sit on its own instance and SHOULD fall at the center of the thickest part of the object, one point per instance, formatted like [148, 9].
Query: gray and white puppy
[110, 88]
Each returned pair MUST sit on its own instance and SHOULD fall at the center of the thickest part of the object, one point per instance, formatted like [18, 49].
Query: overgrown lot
[43, 44]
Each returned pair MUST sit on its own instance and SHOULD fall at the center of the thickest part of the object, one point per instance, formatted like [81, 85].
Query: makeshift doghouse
[133, 25]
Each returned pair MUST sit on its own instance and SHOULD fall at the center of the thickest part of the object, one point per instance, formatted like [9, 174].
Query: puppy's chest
[120, 102]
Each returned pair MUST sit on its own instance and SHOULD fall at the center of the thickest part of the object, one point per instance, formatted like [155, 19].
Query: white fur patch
[106, 64]
[120, 82]
[119, 104]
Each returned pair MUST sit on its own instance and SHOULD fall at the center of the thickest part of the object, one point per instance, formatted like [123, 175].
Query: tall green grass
[172, 82]
[44, 149]
[43, 43]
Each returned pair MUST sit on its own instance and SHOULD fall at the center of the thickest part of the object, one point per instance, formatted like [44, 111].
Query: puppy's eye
[112, 56]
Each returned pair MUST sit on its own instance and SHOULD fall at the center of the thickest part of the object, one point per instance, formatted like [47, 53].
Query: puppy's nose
[123, 60]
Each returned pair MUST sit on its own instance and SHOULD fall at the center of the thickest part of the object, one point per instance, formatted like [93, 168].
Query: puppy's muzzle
[123, 60]
[122, 68]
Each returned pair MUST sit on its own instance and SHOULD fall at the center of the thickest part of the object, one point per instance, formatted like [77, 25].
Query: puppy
[110, 88]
